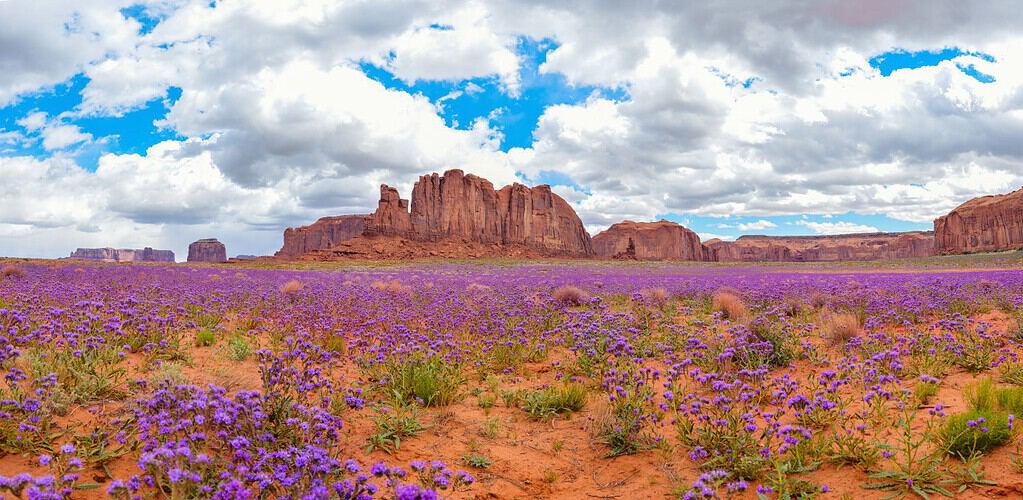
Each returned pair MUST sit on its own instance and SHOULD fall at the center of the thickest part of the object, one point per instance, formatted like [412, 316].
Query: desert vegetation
[515, 381]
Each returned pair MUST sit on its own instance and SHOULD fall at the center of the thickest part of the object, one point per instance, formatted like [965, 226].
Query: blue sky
[464, 102]
[680, 119]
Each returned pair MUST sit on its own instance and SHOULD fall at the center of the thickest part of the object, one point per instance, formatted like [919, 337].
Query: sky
[132, 124]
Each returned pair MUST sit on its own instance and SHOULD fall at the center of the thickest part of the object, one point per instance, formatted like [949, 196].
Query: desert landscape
[477, 343]
[511, 250]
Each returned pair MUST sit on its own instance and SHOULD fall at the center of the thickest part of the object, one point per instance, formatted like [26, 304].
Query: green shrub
[432, 382]
[168, 372]
[1010, 399]
[552, 401]
[966, 434]
[238, 348]
[477, 460]
[88, 376]
[392, 424]
[1012, 373]
[924, 391]
[981, 395]
[205, 337]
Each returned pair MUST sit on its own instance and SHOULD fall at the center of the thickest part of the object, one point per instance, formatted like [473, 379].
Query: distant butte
[844, 247]
[123, 255]
[662, 240]
[207, 250]
[462, 215]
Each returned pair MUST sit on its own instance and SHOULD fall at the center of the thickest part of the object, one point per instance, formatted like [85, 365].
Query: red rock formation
[123, 255]
[452, 210]
[985, 224]
[207, 250]
[661, 240]
[870, 246]
[324, 233]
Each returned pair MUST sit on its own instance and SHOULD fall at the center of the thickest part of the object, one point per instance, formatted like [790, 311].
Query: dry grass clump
[729, 304]
[291, 288]
[792, 306]
[394, 286]
[476, 287]
[570, 295]
[656, 296]
[840, 328]
[818, 300]
[12, 271]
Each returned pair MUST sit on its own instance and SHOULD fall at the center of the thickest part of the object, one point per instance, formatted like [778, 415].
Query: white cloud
[48, 42]
[33, 121]
[756, 226]
[704, 237]
[62, 136]
[841, 227]
[461, 47]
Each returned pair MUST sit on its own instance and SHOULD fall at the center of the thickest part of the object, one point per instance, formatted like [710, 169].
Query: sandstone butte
[985, 224]
[207, 250]
[123, 255]
[864, 246]
[661, 240]
[449, 215]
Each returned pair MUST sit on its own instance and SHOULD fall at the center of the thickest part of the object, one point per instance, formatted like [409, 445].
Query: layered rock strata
[854, 247]
[450, 210]
[985, 224]
[146, 254]
[207, 250]
[662, 240]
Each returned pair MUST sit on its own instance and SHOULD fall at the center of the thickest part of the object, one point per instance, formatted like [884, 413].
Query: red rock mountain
[449, 213]
[325, 233]
[984, 224]
[123, 255]
[869, 246]
[207, 250]
[662, 240]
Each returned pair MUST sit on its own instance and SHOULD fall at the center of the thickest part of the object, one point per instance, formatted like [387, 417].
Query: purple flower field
[508, 381]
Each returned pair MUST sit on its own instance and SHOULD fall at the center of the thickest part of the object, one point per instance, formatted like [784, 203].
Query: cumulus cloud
[756, 226]
[62, 136]
[47, 42]
[841, 227]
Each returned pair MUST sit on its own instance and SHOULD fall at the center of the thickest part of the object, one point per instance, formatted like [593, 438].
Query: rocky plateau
[662, 240]
[146, 254]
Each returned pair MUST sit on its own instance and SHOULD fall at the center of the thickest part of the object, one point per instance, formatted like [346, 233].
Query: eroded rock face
[448, 212]
[872, 246]
[985, 224]
[324, 233]
[207, 250]
[662, 240]
[123, 255]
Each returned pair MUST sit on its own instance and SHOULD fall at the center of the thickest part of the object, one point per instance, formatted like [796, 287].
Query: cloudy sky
[133, 124]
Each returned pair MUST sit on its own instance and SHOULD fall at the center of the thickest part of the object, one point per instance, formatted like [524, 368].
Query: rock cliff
[869, 246]
[662, 240]
[207, 250]
[985, 224]
[322, 234]
[448, 212]
[123, 255]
